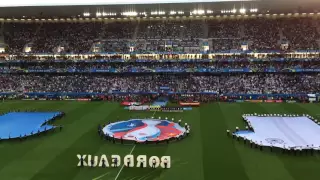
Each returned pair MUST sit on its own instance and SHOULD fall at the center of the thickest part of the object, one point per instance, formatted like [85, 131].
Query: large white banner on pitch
[284, 132]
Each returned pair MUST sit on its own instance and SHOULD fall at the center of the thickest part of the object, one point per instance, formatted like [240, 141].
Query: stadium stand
[281, 56]
[300, 33]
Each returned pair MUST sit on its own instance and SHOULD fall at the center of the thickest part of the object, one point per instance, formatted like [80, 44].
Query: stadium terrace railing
[166, 70]
[83, 94]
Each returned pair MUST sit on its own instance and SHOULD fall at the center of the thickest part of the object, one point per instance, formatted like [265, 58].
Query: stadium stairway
[1, 34]
[205, 29]
[136, 30]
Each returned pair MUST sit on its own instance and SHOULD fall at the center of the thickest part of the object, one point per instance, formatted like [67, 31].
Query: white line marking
[130, 154]
[133, 178]
[101, 176]
[123, 164]
[147, 175]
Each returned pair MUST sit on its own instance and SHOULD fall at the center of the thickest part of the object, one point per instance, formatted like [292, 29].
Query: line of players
[167, 109]
[115, 163]
[113, 139]
[38, 133]
[285, 150]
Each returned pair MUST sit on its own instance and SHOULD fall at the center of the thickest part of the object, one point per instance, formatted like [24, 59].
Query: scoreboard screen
[19, 3]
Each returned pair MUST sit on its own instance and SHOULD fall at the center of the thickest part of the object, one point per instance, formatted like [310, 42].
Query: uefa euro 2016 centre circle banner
[141, 130]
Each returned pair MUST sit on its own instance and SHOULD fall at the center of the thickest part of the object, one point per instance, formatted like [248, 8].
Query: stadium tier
[190, 36]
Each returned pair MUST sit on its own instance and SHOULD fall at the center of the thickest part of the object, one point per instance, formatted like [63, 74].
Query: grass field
[207, 154]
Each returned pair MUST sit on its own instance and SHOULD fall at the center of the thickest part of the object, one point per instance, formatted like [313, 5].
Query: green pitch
[207, 154]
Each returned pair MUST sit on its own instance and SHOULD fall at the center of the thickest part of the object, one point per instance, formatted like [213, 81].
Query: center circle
[141, 130]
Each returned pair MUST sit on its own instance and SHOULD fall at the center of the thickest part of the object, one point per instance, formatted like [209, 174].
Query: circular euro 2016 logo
[141, 130]
[275, 141]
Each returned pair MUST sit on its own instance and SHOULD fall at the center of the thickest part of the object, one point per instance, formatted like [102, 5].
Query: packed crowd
[120, 67]
[225, 34]
[243, 84]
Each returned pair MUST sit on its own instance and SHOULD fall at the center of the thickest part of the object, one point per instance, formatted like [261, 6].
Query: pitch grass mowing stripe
[219, 155]
[143, 149]
[29, 145]
[85, 141]
[134, 146]
[153, 149]
[258, 164]
[130, 154]
[108, 148]
[187, 157]
[33, 161]
[305, 166]
[185, 154]
[15, 149]
[101, 146]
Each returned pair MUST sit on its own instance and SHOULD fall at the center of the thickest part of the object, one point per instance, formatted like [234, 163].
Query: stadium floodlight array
[243, 10]
[197, 12]
[254, 10]
[229, 11]
[176, 12]
[132, 13]
[104, 14]
[158, 12]
[96, 2]
[86, 14]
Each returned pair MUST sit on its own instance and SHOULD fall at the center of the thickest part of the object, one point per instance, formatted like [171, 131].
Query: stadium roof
[264, 6]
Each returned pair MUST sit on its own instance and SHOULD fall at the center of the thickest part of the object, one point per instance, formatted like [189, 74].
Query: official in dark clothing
[81, 162]
[115, 162]
[92, 162]
[154, 163]
[141, 163]
[165, 163]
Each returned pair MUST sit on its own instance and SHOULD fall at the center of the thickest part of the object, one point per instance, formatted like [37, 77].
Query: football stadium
[160, 90]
